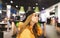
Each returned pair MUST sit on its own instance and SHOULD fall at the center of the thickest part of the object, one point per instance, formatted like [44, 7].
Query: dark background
[32, 3]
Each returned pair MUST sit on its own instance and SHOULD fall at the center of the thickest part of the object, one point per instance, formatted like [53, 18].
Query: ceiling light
[36, 3]
[33, 7]
[17, 6]
[43, 8]
[11, 1]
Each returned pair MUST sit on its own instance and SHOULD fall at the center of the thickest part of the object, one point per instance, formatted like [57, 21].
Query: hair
[28, 20]
[34, 29]
[27, 23]
[28, 14]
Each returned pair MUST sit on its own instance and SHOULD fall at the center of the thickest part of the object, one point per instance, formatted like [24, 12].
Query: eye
[36, 15]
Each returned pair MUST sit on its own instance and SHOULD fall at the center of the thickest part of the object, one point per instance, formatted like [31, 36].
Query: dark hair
[28, 13]
[34, 30]
[35, 25]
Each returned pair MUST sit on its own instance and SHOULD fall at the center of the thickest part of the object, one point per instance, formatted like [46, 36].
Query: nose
[36, 18]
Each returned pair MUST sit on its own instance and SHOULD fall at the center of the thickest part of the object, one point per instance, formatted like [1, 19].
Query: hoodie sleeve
[20, 25]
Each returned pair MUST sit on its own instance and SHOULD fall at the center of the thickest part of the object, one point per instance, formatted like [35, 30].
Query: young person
[30, 28]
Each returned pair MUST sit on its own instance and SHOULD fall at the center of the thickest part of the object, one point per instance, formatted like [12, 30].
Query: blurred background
[15, 10]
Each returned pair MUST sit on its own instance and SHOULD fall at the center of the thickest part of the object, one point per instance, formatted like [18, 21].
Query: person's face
[35, 18]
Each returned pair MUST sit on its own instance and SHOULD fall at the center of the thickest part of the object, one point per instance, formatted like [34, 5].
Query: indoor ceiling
[32, 3]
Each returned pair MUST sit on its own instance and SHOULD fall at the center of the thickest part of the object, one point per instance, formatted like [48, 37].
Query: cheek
[35, 19]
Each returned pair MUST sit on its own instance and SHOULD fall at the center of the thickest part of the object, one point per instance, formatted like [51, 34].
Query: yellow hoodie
[26, 33]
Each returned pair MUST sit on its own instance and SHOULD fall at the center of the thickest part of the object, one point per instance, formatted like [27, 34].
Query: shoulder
[20, 24]
[25, 33]
[27, 30]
